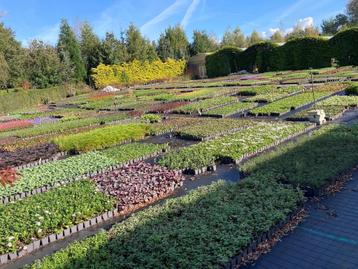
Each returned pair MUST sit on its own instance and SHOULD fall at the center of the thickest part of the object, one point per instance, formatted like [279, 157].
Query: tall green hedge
[257, 56]
[223, 62]
[296, 54]
[301, 53]
[344, 47]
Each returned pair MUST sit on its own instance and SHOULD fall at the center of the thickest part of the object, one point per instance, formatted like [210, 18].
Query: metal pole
[314, 97]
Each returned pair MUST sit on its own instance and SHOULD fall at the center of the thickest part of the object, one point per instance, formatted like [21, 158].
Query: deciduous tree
[234, 38]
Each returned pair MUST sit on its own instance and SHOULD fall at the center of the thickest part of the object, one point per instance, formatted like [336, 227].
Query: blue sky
[40, 18]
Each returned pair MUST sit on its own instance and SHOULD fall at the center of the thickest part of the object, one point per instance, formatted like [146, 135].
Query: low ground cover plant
[209, 225]
[62, 126]
[212, 127]
[62, 170]
[232, 147]
[102, 138]
[166, 107]
[205, 105]
[231, 109]
[285, 105]
[332, 107]
[50, 212]
[138, 184]
[312, 161]
[15, 124]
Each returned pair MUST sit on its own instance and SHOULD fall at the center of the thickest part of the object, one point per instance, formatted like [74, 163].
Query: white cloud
[274, 30]
[305, 23]
[189, 13]
[164, 15]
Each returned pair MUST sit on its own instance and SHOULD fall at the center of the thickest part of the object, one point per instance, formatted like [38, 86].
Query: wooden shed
[196, 68]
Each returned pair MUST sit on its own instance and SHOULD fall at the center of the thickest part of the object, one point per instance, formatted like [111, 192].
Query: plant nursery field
[120, 163]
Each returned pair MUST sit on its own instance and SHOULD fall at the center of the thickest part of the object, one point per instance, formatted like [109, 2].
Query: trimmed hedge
[257, 56]
[223, 62]
[296, 54]
[301, 53]
[344, 47]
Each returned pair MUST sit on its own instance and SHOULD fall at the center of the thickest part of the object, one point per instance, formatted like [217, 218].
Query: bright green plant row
[231, 109]
[205, 105]
[203, 229]
[213, 127]
[285, 105]
[50, 212]
[102, 138]
[330, 112]
[340, 101]
[57, 171]
[233, 146]
[331, 106]
[63, 126]
[312, 161]
[203, 93]
[266, 97]
[269, 89]
[174, 124]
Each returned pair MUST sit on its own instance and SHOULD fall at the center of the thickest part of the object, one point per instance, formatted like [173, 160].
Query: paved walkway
[327, 239]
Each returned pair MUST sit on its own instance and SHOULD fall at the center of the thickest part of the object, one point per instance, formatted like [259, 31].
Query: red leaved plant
[8, 176]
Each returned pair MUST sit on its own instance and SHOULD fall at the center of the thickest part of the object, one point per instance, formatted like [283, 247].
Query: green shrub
[343, 47]
[223, 62]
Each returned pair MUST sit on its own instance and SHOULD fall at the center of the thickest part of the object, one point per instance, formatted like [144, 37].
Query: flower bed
[209, 226]
[333, 107]
[173, 124]
[61, 126]
[212, 128]
[35, 217]
[63, 171]
[166, 107]
[205, 105]
[232, 147]
[312, 161]
[102, 138]
[138, 184]
[229, 110]
[14, 124]
[287, 104]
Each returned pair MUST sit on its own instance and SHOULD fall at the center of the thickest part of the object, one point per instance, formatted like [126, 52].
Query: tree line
[71, 60]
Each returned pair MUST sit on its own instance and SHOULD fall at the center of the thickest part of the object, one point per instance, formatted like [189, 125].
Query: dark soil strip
[27, 155]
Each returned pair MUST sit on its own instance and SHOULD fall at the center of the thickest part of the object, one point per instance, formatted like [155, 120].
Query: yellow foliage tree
[137, 72]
